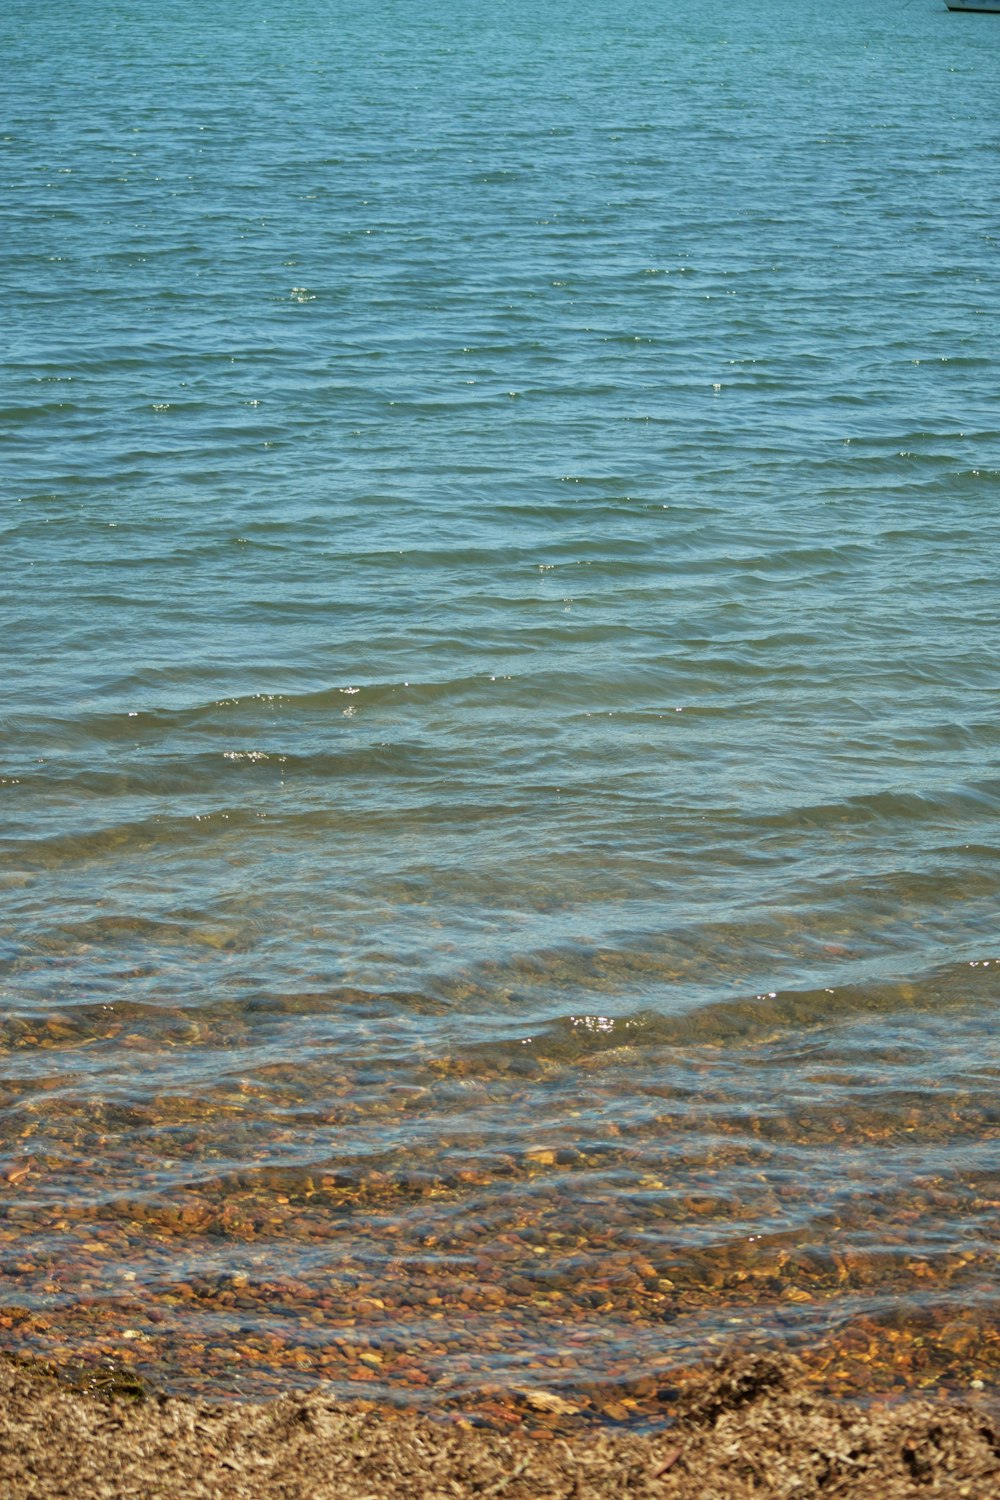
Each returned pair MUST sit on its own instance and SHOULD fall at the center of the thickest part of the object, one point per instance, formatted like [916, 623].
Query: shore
[750, 1429]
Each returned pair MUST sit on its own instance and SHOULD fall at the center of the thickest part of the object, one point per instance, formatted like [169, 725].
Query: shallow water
[499, 752]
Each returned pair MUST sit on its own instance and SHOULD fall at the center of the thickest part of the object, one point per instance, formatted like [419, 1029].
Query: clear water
[499, 752]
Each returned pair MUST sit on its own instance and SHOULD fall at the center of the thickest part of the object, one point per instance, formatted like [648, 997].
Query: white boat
[993, 6]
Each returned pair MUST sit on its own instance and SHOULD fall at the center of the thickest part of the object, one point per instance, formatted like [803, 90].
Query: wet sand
[752, 1428]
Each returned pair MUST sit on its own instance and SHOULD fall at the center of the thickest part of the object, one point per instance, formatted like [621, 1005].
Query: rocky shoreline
[752, 1428]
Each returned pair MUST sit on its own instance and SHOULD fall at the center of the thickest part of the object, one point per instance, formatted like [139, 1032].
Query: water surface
[499, 753]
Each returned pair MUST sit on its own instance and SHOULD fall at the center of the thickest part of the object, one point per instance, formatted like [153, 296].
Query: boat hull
[991, 6]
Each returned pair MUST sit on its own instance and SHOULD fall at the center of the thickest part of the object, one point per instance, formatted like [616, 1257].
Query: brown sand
[752, 1429]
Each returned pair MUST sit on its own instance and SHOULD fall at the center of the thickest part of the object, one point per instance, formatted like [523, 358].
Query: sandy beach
[751, 1429]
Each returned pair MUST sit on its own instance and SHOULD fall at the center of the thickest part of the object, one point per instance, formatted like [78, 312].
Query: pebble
[465, 1271]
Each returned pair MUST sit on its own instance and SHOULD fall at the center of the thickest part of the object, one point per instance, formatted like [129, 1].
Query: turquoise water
[500, 625]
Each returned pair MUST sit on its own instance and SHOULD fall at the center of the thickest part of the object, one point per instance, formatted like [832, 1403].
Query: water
[499, 754]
